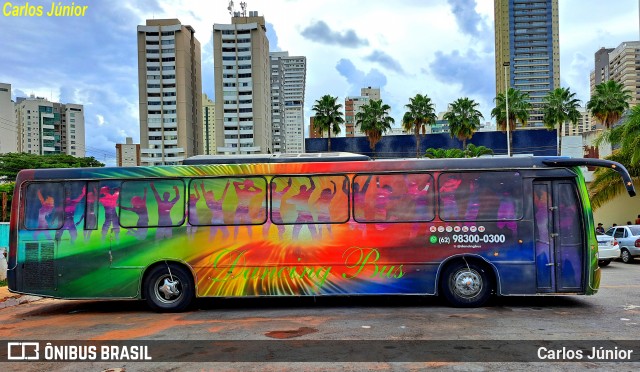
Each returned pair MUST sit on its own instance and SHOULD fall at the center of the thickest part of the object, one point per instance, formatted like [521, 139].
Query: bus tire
[466, 284]
[169, 288]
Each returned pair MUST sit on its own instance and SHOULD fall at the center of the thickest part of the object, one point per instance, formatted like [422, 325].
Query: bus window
[394, 198]
[227, 201]
[44, 206]
[91, 212]
[74, 207]
[249, 205]
[487, 196]
[155, 203]
[313, 199]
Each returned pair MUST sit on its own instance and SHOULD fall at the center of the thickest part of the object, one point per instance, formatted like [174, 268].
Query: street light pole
[506, 99]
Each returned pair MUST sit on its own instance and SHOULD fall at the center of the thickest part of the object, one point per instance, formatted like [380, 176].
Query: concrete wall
[539, 142]
[619, 210]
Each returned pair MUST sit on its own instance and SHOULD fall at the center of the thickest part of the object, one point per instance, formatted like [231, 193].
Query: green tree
[432, 153]
[12, 163]
[606, 184]
[7, 188]
[519, 107]
[560, 106]
[421, 113]
[626, 135]
[328, 116]
[473, 151]
[374, 121]
[609, 102]
[464, 119]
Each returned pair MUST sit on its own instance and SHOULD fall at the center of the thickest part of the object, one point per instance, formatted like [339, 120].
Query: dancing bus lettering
[232, 265]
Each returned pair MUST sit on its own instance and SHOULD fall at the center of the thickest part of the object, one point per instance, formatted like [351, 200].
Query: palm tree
[608, 103]
[328, 116]
[560, 106]
[519, 107]
[464, 119]
[374, 120]
[627, 135]
[473, 151]
[606, 184]
[432, 153]
[421, 113]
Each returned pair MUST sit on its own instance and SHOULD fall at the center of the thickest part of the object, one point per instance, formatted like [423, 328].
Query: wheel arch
[147, 270]
[465, 257]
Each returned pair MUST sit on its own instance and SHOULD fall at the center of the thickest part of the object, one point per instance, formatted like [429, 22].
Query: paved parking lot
[612, 314]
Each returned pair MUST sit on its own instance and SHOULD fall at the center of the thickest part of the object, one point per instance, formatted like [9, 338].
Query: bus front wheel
[169, 288]
[466, 284]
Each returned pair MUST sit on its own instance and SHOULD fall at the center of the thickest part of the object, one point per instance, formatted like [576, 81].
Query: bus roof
[275, 158]
[199, 166]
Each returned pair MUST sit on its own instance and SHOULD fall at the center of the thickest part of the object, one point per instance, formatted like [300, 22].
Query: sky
[441, 48]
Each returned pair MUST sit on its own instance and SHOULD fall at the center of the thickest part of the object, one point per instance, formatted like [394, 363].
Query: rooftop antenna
[230, 8]
[243, 6]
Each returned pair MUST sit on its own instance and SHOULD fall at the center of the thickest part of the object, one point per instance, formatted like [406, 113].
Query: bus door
[558, 237]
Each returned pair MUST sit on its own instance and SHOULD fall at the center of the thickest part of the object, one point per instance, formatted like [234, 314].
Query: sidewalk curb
[15, 301]
[8, 299]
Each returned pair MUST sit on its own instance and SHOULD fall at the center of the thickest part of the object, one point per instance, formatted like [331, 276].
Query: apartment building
[242, 85]
[170, 92]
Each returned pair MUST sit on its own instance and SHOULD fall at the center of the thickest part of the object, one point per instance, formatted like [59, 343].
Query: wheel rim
[625, 256]
[168, 289]
[467, 283]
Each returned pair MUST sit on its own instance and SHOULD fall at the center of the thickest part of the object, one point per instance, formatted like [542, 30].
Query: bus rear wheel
[169, 288]
[466, 284]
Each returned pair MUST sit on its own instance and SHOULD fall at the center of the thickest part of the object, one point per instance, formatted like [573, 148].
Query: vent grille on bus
[39, 265]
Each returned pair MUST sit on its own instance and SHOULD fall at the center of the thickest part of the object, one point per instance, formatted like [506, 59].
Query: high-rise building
[352, 106]
[620, 64]
[8, 126]
[313, 131]
[49, 127]
[128, 153]
[584, 124]
[526, 38]
[624, 64]
[278, 137]
[208, 125]
[242, 85]
[288, 79]
[372, 93]
[170, 90]
[601, 60]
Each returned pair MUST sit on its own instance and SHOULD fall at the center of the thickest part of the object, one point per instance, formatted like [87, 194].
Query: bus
[306, 225]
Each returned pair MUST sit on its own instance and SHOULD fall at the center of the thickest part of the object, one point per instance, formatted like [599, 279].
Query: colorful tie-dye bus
[310, 225]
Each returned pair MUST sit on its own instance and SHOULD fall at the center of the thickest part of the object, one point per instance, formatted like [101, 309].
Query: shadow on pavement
[58, 307]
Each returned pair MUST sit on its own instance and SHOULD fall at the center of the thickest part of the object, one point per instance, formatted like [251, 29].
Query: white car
[628, 236]
[608, 249]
